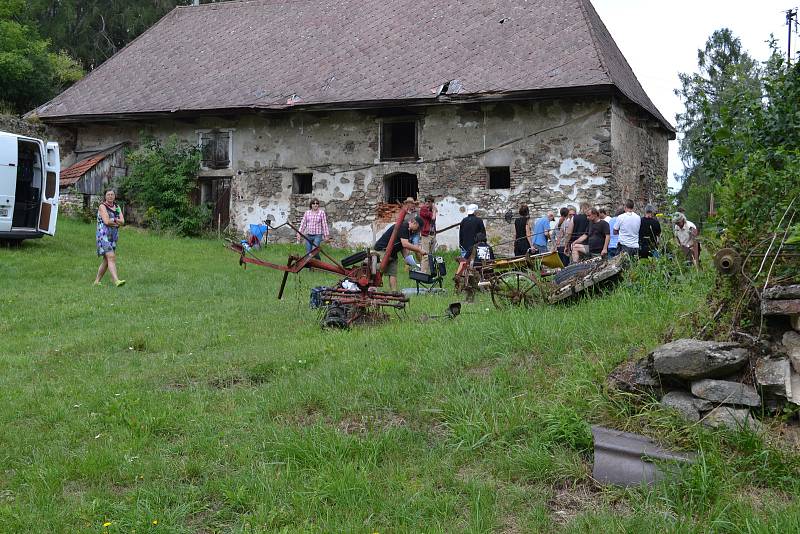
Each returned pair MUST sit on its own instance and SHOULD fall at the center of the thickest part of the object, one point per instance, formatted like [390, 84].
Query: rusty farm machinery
[357, 298]
[522, 281]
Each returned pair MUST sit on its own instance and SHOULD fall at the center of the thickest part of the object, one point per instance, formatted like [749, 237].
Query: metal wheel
[335, 317]
[515, 289]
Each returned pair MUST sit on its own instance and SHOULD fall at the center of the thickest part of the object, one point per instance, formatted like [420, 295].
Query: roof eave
[482, 97]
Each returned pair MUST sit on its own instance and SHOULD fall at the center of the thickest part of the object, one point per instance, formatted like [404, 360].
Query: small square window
[399, 140]
[499, 177]
[301, 183]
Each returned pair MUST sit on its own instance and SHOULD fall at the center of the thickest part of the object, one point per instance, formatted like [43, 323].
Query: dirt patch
[73, 490]
[483, 370]
[306, 418]
[228, 382]
[361, 424]
[509, 524]
[789, 435]
[201, 521]
[763, 500]
[350, 425]
[180, 385]
[571, 500]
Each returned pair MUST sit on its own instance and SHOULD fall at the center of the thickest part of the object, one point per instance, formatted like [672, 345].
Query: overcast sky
[661, 39]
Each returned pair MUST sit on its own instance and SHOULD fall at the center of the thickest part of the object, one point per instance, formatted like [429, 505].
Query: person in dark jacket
[522, 232]
[470, 227]
[649, 233]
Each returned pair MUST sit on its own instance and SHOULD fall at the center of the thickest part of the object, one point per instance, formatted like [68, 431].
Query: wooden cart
[517, 281]
[535, 279]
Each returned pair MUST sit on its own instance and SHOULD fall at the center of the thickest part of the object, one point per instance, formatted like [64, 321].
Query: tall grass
[194, 398]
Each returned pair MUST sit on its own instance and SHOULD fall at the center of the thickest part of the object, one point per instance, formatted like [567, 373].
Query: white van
[29, 174]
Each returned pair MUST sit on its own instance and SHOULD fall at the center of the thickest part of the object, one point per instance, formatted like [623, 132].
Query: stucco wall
[559, 152]
[640, 154]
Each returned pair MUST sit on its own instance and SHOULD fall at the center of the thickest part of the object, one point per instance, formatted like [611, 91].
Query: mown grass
[193, 398]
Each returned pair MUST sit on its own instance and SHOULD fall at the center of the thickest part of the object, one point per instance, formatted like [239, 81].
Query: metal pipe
[390, 247]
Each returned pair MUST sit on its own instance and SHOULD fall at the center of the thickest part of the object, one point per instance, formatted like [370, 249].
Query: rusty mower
[357, 302]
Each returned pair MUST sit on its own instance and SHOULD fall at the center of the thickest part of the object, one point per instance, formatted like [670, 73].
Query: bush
[160, 180]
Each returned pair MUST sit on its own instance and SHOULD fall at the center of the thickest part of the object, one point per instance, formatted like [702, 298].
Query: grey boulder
[773, 376]
[791, 344]
[634, 377]
[686, 405]
[692, 359]
[735, 418]
[725, 392]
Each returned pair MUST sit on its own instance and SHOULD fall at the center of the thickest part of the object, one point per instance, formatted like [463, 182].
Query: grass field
[192, 400]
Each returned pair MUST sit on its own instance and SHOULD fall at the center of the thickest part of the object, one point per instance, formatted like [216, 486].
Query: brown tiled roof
[273, 54]
[75, 172]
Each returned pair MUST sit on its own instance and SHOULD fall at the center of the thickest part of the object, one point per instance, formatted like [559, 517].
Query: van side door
[8, 179]
[49, 212]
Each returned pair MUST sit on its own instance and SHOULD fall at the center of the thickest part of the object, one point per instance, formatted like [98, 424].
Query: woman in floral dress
[109, 219]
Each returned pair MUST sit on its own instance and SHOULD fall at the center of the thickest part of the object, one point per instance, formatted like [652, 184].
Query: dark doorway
[216, 194]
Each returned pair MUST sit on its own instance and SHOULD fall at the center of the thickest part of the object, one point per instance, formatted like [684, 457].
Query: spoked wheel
[515, 289]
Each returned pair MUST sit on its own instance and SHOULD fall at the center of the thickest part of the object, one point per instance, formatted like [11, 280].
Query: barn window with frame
[215, 149]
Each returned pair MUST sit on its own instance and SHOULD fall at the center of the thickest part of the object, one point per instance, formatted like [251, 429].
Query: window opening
[399, 140]
[400, 186]
[302, 183]
[214, 149]
[499, 177]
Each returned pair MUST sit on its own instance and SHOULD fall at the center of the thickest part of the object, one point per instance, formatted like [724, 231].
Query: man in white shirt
[627, 227]
[686, 234]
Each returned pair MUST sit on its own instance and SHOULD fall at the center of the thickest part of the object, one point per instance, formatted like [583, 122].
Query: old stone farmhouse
[365, 103]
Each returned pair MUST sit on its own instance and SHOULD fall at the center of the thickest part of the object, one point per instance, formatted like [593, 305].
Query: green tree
[30, 72]
[160, 179]
[94, 30]
[720, 100]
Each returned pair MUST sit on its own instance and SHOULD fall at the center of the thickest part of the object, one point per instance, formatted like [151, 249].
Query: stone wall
[18, 126]
[76, 204]
[640, 154]
[559, 152]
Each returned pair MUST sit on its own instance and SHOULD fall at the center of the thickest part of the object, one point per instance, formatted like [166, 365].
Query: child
[481, 251]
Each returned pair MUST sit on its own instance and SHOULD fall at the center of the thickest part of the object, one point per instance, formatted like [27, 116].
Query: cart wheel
[515, 289]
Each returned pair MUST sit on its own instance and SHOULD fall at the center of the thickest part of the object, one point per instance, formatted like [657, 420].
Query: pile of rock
[718, 383]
